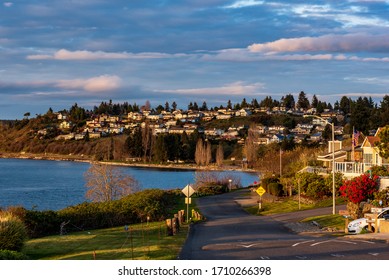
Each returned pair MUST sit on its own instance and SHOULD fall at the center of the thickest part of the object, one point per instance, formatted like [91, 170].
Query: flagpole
[353, 145]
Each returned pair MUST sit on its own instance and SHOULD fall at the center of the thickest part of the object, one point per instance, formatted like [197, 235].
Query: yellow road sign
[260, 191]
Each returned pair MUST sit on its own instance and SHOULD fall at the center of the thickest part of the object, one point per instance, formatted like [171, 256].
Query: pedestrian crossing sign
[260, 191]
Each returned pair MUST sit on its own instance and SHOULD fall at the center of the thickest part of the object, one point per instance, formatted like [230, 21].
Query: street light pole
[333, 170]
[333, 159]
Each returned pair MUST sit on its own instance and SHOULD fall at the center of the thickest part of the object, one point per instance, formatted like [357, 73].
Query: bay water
[53, 185]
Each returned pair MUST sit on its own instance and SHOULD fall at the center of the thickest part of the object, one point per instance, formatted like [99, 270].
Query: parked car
[356, 226]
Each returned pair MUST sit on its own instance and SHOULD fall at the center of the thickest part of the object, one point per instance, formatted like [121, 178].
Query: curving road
[230, 233]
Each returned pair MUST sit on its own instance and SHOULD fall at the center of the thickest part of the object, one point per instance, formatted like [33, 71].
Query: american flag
[356, 134]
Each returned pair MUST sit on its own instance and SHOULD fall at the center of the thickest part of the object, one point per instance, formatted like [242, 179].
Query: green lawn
[286, 205]
[333, 221]
[140, 242]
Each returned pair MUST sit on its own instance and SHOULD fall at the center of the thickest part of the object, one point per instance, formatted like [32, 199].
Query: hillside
[23, 138]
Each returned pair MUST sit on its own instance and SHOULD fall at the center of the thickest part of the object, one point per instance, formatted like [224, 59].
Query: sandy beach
[81, 158]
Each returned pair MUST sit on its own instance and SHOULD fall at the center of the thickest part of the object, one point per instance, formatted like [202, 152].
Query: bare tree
[250, 146]
[106, 183]
[208, 178]
[203, 154]
[147, 140]
[199, 154]
[208, 153]
[219, 155]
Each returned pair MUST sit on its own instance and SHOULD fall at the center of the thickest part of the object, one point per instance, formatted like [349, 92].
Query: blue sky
[55, 53]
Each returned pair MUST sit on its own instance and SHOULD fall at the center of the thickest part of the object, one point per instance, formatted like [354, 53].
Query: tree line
[143, 145]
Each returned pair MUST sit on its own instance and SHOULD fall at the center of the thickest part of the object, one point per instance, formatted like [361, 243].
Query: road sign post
[188, 191]
[260, 191]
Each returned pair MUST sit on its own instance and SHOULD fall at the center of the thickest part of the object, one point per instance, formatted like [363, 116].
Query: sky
[57, 53]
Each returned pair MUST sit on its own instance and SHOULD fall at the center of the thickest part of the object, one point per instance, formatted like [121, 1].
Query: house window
[368, 158]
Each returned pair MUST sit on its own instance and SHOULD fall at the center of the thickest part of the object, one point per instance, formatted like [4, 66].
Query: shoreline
[77, 158]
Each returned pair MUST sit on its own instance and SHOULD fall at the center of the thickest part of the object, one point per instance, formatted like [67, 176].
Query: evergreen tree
[384, 111]
[244, 103]
[254, 103]
[229, 105]
[204, 107]
[303, 102]
[288, 101]
[314, 101]
[174, 105]
[345, 105]
[167, 107]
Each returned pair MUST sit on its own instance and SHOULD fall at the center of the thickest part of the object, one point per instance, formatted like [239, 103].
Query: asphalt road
[230, 233]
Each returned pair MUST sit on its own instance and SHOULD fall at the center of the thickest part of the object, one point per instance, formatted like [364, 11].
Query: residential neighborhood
[354, 152]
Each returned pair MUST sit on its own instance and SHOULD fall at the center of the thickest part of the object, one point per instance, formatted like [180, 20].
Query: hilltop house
[355, 161]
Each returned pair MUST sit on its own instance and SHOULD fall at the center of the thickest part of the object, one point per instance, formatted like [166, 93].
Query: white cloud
[331, 43]
[237, 88]
[244, 3]
[64, 54]
[8, 4]
[369, 80]
[94, 84]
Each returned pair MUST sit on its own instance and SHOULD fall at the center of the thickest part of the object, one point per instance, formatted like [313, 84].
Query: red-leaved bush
[359, 188]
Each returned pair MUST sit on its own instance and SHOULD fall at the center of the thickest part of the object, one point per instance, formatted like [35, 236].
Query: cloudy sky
[55, 53]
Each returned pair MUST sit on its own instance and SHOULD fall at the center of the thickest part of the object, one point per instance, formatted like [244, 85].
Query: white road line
[246, 246]
[365, 241]
[339, 241]
[264, 258]
[344, 241]
[374, 254]
[301, 257]
[302, 242]
[318, 243]
[337, 255]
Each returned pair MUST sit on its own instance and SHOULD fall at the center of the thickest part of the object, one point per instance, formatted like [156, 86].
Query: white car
[358, 225]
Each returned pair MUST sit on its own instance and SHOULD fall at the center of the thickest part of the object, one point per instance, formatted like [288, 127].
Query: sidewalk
[370, 236]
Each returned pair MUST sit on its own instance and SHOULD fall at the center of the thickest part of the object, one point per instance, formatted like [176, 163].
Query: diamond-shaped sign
[188, 191]
[260, 191]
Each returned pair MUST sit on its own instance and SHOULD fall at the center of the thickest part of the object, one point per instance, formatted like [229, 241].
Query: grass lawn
[335, 221]
[286, 205]
[141, 242]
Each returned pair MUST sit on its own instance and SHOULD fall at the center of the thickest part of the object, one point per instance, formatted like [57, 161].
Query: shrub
[13, 233]
[265, 182]
[41, 223]
[156, 204]
[211, 190]
[314, 185]
[11, 255]
[275, 189]
[360, 188]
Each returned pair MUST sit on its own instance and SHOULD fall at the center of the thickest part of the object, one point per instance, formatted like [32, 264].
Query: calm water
[54, 185]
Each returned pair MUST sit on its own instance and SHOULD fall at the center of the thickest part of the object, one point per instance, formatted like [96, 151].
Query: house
[355, 161]
[61, 116]
[316, 137]
[176, 130]
[243, 113]
[276, 129]
[69, 136]
[371, 154]
[94, 135]
[276, 138]
[154, 117]
[222, 116]
[263, 141]
[213, 132]
[65, 125]
[135, 116]
[79, 136]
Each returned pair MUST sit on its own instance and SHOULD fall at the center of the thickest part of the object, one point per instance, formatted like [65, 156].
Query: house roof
[371, 140]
